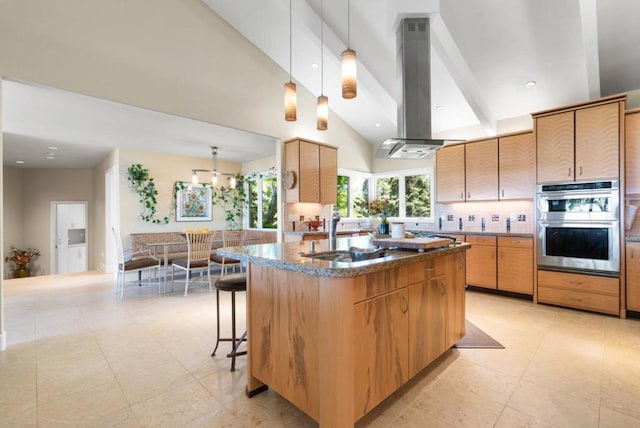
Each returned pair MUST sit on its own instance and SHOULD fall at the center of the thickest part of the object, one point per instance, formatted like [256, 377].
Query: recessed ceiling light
[439, 108]
[314, 65]
[19, 161]
[377, 125]
[530, 84]
[50, 157]
[52, 148]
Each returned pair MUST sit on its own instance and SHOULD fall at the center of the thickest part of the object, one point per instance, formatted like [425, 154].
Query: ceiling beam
[589, 19]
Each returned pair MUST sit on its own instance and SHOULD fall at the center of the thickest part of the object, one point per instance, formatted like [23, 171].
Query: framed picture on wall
[193, 203]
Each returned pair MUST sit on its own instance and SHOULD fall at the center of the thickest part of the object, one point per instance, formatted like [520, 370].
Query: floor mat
[476, 338]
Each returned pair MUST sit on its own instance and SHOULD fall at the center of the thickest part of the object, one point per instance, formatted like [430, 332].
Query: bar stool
[233, 283]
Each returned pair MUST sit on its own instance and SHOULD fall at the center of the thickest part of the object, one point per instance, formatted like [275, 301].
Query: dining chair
[133, 261]
[198, 257]
[230, 238]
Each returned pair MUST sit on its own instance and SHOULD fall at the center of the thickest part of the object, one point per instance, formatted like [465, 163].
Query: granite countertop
[462, 232]
[289, 256]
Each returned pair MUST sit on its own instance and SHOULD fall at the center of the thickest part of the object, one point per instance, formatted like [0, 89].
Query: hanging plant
[141, 182]
[232, 201]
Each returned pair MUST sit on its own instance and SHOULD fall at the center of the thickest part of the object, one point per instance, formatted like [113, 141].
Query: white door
[70, 242]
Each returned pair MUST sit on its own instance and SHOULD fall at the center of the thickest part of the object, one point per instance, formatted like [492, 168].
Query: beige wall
[202, 68]
[28, 194]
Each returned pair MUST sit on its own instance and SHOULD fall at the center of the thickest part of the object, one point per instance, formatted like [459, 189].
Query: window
[262, 201]
[409, 193]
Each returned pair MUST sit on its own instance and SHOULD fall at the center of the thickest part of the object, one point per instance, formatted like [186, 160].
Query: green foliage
[418, 198]
[361, 201]
[141, 182]
[388, 190]
[270, 203]
[232, 201]
[342, 204]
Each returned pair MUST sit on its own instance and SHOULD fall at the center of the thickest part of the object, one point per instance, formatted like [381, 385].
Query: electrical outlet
[495, 217]
[449, 217]
[472, 217]
[522, 217]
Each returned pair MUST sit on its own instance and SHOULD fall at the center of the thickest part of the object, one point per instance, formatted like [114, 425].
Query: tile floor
[77, 356]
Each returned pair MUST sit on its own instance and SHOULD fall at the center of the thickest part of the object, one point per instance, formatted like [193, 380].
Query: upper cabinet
[517, 166]
[315, 167]
[450, 174]
[579, 143]
[487, 170]
[481, 170]
[632, 151]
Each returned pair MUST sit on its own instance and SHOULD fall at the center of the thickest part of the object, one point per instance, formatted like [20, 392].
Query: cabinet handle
[501, 255]
[515, 241]
[581, 171]
[569, 172]
[461, 195]
[575, 282]
[493, 255]
[502, 192]
[468, 195]
[461, 261]
[443, 287]
[405, 304]
[632, 252]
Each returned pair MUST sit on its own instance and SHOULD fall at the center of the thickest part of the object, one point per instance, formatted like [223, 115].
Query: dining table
[165, 255]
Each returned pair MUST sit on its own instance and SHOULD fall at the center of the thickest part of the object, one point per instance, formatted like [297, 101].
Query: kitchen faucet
[333, 226]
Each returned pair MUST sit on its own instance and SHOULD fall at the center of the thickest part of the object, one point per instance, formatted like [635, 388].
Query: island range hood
[414, 109]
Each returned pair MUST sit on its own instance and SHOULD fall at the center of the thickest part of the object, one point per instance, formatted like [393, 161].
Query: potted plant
[20, 261]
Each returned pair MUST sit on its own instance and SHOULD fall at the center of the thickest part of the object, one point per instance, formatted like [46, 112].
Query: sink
[346, 256]
[332, 256]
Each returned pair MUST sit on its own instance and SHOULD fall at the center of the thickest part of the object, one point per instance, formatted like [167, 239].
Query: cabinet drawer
[516, 242]
[580, 300]
[577, 282]
[481, 239]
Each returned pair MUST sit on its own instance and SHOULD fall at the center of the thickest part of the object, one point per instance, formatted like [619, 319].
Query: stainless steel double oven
[578, 227]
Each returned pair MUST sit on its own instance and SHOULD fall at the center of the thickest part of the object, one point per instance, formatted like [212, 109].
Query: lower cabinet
[588, 292]
[515, 264]
[481, 261]
[633, 276]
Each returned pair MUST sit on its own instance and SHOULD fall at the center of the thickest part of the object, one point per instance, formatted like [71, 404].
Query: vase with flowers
[378, 215]
[19, 261]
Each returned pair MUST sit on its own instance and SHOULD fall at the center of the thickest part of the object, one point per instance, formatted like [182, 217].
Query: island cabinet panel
[381, 328]
[517, 166]
[450, 185]
[427, 322]
[328, 175]
[481, 261]
[455, 266]
[633, 276]
[309, 172]
[286, 329]
[597, 142]
[515, 264]
[632, 152]
[481, 163]
[554, 134]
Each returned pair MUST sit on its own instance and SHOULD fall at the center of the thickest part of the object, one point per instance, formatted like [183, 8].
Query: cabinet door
[517, 166]
[597, 142]
[632, 152]
[481, 163]
[381, 331]
[554, 135]
[481, 262]
[455, 298]
[450, 174]
[633, 276]
[309, 172]
[328, 175]
[426, 322]
[515, 265]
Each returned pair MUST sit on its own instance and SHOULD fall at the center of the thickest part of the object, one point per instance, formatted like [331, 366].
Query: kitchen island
[335, 338]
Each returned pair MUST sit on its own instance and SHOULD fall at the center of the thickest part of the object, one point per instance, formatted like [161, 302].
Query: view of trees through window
[417, 195]
[263, 202]
[387, 190]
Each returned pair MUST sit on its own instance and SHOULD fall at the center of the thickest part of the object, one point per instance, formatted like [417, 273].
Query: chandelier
[214, 172]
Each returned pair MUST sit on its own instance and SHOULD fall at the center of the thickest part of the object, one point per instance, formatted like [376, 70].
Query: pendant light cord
[348, 24]
[290, 43]
[321, 47]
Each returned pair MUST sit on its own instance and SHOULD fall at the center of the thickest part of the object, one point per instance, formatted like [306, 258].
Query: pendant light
[290, 97]
[349, 79]
[323, 101]
[233, 181]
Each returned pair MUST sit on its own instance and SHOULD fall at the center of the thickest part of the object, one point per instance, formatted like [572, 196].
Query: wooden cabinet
[481, 261]
[515, 264]
[382, 326]
[633, 276]
[450, 174]
[580, 143]
[588, 292]
[481, 170]
[455, 266]
[316, 168]
[517, 166]
[632, 152]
